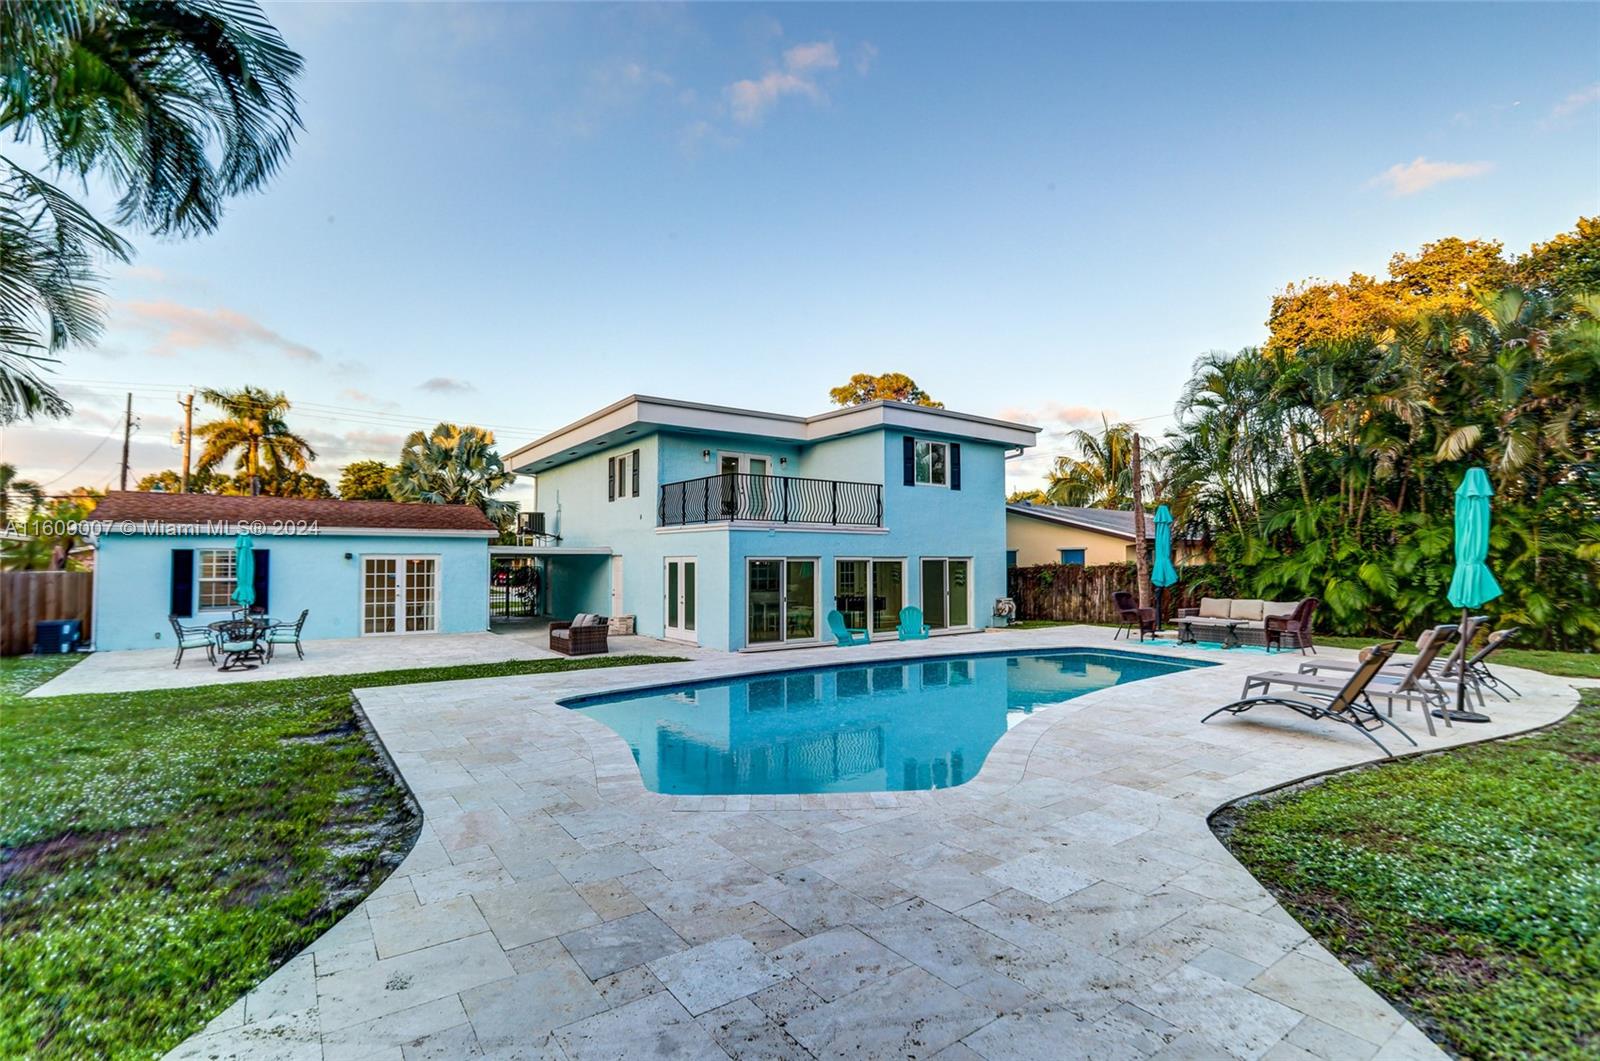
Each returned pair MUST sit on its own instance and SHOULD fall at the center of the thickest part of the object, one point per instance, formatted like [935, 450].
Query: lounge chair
[193, 637]
[911, 627]
[1416, 684]
[287, 634]
[1438, 674]
[1131, 616]
[1296, 625]
[1348, 704]
[1477, 668]
[845, 634]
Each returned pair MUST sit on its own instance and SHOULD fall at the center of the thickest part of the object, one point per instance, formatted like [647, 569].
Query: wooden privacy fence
[1075, 594]
[29, 597]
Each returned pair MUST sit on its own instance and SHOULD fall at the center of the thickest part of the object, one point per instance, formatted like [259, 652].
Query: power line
[98, 447]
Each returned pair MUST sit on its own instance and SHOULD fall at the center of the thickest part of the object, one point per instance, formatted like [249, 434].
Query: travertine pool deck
[1070, 901]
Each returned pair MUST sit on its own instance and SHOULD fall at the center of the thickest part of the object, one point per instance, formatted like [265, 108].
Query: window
[1072, 556]
[933, 459]
[1011, 558]
[218, 570]
[622, 476]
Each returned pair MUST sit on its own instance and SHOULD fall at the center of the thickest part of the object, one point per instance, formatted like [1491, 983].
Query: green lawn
[161, 852]
[1465, 885]
[1564, 664]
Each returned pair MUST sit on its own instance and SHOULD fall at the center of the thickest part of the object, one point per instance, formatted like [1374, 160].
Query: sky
[512, 215]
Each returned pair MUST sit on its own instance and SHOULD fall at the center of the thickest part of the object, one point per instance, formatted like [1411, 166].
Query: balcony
[770, 499]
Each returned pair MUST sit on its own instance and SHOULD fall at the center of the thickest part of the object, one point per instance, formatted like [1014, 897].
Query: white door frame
[687, 629]
[616, 586]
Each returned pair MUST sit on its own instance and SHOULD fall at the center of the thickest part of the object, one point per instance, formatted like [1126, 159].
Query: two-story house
[733, 529]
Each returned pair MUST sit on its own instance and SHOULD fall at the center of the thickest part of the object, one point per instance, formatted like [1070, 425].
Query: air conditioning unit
[55, 636]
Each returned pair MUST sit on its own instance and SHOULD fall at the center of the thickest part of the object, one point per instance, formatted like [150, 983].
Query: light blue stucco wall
[133, 582]
[919, 521]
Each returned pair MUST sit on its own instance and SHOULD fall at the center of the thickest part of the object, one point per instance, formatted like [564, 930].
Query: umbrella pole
[1460, 713]
[1159, 591]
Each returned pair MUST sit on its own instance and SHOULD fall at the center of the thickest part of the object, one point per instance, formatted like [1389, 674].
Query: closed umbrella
[244, 563]
[1162, 573]
[1472, 584]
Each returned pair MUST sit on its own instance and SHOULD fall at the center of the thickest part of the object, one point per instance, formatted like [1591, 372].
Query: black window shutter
[911, 460]
[635, 470]
[182, 583]
[611, 479]
[263, 578]
[955, 465]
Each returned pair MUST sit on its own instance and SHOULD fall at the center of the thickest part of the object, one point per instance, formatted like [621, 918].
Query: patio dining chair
[911, 626]
[240, 644]
[844, 634]
[286, 633]
[192, 637]
[1347, 703]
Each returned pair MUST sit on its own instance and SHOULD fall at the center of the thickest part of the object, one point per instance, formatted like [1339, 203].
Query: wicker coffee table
[1229, 628]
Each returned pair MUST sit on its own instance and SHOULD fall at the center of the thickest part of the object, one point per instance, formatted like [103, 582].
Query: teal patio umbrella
[244, 556]
[1472, 584]
[1162, 573]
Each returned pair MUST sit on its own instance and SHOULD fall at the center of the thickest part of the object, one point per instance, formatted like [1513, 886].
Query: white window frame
[400, 593]
[905, 589]
[971, 623]
[916, 463]
[230, 581]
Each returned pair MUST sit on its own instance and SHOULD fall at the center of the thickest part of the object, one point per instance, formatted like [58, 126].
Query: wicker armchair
[1296, 626]
[585, 635]
[1130, 615]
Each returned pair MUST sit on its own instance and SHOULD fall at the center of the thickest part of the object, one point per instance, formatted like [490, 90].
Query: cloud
[352, 394]
[750, 99]
[1409, 178]
[181, 328]
[866, 55]
[1577, 101]
[446, 385]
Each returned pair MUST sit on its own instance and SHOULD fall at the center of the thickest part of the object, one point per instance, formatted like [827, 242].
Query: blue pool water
[889, 727]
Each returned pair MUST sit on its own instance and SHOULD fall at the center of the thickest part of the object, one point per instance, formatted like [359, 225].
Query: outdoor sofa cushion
[1280, 608]
[1214, 608]
[1245, 608]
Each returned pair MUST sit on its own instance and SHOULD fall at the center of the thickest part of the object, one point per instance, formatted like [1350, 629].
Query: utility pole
[1141, 544]
[188, 433]
[127, 434]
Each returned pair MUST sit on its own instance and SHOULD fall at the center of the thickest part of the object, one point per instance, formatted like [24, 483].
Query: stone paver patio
[1070, 901]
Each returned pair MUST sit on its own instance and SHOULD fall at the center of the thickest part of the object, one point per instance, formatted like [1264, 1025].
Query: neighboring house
[733, 529]
[1057, 534]
[361, 567]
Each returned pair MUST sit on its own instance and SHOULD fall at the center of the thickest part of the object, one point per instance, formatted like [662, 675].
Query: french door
[780, 600]
[679, 605]
[946, 592]
[399, 594]
[744, 477]
[869, 593]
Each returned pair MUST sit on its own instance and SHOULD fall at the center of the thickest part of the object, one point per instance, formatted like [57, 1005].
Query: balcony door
[680, 599]
[780, 600]
[745, 490]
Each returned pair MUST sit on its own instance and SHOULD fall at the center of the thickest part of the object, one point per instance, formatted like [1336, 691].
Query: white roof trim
[637, 414]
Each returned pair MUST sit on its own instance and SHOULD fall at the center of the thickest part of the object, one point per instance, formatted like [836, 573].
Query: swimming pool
[885, 727]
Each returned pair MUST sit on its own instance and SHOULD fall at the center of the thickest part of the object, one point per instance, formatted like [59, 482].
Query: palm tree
[253, 426]
[454, 465]
[179, 105]
[1101, 476]
[16, 491]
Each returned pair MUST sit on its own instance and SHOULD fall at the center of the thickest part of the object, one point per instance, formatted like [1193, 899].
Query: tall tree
[1101, 476]
[454, 465]
[252, 429]
[176, 104]
[365, 481]
[864, 387]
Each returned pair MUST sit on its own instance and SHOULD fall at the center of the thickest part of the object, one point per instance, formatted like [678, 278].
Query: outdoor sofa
[585, 635]
[1258, 622]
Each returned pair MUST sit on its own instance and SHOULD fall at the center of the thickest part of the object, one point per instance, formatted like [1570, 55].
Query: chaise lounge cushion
[1248, 609]
[1214, 607]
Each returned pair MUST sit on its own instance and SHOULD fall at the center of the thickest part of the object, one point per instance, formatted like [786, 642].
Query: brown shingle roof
[141, 506]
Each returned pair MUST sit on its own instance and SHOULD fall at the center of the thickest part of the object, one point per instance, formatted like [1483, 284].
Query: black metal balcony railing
[772, 499]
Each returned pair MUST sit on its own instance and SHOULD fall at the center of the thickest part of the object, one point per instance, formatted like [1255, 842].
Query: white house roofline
[638, 414]
[1066, 520]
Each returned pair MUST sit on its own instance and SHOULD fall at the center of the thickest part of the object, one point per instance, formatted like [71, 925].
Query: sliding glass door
[869, 593]
[946, 592]
[781, 600]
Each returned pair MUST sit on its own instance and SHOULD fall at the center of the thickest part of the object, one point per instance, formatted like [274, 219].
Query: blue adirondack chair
[846, 635]
[912, 628]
